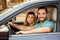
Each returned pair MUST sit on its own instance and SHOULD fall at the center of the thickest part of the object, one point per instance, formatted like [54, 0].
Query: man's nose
[41, 15]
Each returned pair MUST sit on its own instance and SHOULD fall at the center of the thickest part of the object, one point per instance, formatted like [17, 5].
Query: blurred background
[7, 4]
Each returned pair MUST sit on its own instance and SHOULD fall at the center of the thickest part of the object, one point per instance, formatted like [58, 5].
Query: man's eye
[43, 13]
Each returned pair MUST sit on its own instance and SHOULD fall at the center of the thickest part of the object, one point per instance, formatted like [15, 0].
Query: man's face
[42, 14]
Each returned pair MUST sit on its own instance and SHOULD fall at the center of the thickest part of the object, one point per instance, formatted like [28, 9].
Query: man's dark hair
[43, 8]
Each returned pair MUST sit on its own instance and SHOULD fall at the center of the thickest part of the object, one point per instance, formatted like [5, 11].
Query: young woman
[30, 21]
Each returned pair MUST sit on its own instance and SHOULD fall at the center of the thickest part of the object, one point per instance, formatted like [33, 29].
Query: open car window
[20, 19]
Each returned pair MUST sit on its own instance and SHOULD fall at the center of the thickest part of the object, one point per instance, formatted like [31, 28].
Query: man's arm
[23, 28]
[20, 27]
[37, 30]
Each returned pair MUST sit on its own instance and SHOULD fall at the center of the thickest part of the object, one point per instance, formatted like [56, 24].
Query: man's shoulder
[49, 23]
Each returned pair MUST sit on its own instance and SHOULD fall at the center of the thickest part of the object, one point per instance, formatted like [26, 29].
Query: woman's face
[30, 18]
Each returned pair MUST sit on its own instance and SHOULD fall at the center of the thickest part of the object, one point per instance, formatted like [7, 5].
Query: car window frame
[58, 19]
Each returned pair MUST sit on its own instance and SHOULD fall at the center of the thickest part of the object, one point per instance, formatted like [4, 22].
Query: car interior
[19, 19]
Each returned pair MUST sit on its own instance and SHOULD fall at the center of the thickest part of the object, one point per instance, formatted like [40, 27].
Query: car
[17, 15]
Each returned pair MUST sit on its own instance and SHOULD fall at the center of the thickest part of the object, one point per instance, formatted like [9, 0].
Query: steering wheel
[10, 30]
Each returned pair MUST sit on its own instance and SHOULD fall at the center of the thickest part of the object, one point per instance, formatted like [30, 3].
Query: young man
[43, 25]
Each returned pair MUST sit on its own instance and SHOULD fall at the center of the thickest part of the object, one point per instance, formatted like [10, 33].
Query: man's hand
[37, 30]
[21, 32]
[10, 23]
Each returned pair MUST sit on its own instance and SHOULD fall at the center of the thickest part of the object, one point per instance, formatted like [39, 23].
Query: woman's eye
[32, 17]
[28, 17]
